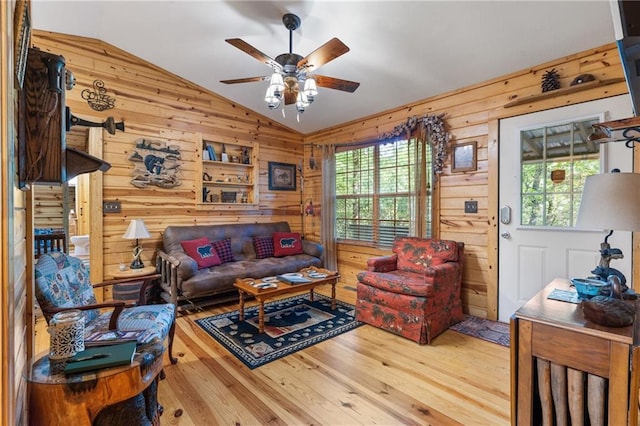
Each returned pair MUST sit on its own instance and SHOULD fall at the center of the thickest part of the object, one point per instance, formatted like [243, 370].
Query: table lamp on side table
[610, 201]
[136, 231]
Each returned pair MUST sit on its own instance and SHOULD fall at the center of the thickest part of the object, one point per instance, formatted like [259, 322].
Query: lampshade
[301, 102]
[610, 201]
[277, 83]
[271, 99]
[136, 230]
[310, 89]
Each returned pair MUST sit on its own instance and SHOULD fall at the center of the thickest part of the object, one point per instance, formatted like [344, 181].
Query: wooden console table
[118, 395]
[565, 369]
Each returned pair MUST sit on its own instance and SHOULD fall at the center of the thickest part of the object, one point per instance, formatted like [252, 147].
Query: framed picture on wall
[464, 157]
[282, 176]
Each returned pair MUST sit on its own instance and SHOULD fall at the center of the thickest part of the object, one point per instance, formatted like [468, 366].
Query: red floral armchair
[415, 292]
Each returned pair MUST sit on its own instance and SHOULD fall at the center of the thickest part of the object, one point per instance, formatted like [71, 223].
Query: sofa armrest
[312, 248]
[382, 263]
[186, 265]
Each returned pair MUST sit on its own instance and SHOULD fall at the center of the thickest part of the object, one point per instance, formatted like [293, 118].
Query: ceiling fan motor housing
[289, 61]
[291, 21]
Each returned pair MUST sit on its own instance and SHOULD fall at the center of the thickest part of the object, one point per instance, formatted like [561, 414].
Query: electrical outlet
[471, 207]
[111, 206]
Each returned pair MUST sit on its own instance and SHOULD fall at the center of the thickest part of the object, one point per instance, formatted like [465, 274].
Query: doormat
[492, 331]
[290, 325]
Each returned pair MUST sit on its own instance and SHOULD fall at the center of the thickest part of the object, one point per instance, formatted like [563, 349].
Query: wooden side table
[105, 396]
[130, 292]
[563, 366]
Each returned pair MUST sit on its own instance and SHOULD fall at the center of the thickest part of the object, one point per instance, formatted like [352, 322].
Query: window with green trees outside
[378, 190]
[555, 161]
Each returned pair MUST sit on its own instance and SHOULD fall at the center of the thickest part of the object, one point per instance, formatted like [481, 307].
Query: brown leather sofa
[188, 287]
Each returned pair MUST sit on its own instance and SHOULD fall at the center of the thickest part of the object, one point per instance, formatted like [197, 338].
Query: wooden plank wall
[49, 205]
[14, 311]
[156, 104]
[472, 114]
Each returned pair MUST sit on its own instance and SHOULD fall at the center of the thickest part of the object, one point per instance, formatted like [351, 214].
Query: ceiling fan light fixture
[271, 99]
[301, 102]
[310, 89]
[277, 83]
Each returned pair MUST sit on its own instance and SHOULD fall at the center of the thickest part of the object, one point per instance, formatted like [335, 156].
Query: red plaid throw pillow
[223, 248]
[263, 246]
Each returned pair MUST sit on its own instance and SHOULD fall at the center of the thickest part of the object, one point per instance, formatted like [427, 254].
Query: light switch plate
[111, 206]
[471, 207]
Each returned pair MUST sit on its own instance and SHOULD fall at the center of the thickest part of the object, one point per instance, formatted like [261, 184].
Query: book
[101, 357]
[112, 337]
[212, 153]
[564, 296]
[292, 279]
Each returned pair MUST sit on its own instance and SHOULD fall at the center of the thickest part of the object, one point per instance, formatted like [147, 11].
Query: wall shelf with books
[226, 174]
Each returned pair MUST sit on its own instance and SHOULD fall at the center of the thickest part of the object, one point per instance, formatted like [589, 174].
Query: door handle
[506, 235]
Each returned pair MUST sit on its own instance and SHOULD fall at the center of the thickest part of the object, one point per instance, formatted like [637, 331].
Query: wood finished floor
[363, 377]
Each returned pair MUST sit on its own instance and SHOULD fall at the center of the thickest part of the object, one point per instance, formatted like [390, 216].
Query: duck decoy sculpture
[610, 311]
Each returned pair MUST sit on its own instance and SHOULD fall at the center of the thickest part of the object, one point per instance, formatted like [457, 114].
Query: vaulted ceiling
[400, 52]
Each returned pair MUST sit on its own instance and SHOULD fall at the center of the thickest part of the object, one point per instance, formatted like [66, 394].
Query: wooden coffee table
[246, 287]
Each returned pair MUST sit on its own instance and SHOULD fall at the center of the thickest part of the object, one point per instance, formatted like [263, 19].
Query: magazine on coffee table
[293, 279]
[112, 337]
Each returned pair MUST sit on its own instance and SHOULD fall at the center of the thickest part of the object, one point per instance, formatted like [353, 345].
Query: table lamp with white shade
[610, 201]
[136, 231]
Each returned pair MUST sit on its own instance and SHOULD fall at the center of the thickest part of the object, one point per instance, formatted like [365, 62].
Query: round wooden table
[130, 273]
[117, 395]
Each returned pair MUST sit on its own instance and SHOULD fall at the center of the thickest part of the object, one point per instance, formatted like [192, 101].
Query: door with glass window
[545, 158]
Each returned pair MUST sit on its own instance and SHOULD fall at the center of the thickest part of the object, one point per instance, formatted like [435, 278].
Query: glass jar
[67, 334]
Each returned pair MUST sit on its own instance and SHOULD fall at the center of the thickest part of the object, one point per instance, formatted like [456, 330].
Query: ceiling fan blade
[246, 80]
[323, 54]
[336, 83]
[247, 48]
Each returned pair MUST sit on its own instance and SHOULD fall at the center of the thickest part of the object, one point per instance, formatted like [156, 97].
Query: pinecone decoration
[550, 80]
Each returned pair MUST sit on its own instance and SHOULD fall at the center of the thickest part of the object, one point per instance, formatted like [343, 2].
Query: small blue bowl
[589, 287]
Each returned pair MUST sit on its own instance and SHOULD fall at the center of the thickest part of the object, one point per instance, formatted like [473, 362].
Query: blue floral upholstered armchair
[62, 283]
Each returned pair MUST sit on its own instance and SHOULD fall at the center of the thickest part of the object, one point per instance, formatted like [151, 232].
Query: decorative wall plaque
[98, 99]
[156, 163]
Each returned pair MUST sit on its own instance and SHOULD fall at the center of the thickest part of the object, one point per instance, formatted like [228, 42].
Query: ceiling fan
[291, 80]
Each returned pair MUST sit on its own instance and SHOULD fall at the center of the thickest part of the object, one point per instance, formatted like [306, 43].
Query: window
[555, 162]
[382, 191]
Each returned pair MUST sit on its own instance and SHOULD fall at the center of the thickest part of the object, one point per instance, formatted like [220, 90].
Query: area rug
[492, 331]
[290, 324]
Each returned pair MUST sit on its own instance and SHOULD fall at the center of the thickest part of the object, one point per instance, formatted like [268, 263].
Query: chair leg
[172, 331]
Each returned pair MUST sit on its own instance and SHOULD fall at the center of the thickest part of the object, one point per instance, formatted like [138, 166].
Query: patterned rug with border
[291, 324]
[491, 331]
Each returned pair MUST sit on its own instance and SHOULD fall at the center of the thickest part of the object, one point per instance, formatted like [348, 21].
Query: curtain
[328, 211]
